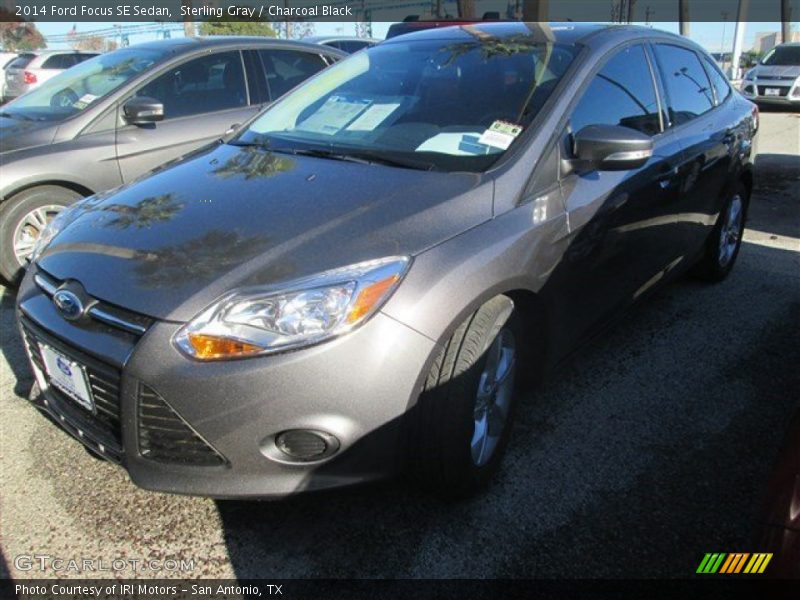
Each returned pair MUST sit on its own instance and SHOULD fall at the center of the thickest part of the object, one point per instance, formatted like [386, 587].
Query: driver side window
[202, 85]
[622, 93]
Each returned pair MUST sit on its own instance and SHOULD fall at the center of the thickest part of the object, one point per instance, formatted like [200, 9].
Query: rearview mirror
[142, 110]
[612, 147]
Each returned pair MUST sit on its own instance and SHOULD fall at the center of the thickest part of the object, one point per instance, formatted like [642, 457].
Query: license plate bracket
[772, 92]
[68, 376]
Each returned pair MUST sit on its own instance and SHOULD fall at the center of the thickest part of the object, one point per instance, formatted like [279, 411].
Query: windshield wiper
[15, 116]
[364, 158]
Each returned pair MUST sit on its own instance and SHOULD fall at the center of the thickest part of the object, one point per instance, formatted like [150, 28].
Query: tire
[447, 455]
[723, 245]
[21, 220]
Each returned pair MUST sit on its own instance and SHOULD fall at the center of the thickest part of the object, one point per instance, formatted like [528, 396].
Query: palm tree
[144, 213]
[252, 162]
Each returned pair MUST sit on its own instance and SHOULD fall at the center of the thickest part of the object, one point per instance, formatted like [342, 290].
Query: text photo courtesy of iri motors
[386, 298]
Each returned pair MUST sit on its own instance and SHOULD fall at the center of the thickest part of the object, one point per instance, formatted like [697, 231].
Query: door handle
[666, 178]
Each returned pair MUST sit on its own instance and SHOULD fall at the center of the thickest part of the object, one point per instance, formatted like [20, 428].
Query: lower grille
[100, 430]
[165, 437]
[762, 90]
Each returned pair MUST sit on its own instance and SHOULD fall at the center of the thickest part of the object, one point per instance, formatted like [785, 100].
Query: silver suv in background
[776, 78]
[123, 113]
[6, 58]
[31, 69]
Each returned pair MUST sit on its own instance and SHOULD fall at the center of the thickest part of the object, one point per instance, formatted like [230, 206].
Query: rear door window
[719, 82]
[61, 61]
[286, 69]
[688, 87]
[202, 85]
[622, 93]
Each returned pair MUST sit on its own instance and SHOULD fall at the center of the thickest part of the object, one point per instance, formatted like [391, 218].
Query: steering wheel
[66, 98]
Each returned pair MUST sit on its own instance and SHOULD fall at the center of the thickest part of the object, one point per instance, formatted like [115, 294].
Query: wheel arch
[63, 183]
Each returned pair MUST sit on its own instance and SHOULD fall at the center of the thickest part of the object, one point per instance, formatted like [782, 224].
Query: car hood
[766, 71]
[18, 134]
[170, 244]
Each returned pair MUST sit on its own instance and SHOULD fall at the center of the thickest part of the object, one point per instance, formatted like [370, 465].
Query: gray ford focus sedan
[371, 274]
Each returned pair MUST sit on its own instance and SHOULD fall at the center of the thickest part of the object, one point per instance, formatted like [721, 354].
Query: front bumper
[357, 388]
[788, 91]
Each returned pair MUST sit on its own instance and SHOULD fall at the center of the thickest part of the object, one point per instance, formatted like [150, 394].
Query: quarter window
[720, 83]
[206, 84]
[622, 93]
[686, 81]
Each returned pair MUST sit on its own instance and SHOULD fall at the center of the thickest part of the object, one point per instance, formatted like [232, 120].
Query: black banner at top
[652, 11]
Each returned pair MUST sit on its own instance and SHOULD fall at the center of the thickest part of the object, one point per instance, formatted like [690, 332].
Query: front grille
[102, 427]
[165, 437]
[762, 90]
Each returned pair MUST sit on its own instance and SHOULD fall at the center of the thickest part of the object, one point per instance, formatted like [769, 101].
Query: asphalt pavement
[650, 448]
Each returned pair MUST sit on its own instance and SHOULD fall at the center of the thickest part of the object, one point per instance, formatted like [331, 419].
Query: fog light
[796, 92]
[305, 445]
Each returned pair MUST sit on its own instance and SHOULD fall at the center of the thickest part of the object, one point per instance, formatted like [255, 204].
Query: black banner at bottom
[318, 589]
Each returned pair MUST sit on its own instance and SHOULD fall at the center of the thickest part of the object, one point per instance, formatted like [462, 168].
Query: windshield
[75, 89]
[783, 56]
[450, 105]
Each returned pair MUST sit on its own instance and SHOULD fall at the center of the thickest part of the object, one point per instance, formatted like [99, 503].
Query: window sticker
[334, 115]
[455, 144]
[84, 101]
[501, 134]
[371, 118]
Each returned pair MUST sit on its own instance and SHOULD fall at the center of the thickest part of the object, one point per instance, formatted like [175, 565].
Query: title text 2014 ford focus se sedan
[364, 279]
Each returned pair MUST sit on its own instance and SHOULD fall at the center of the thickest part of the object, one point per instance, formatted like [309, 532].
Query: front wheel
[464, 415]
[23, 217]
[722, 247]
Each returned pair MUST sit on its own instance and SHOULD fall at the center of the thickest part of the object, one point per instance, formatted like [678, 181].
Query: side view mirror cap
[612, 147]
[142, 111]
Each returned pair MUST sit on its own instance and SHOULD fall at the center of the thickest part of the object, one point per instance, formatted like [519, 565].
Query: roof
[559, 32]
[189, 44]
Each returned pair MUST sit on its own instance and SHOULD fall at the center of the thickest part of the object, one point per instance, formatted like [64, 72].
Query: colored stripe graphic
[758, 563]
[722, 563]
[711, 562]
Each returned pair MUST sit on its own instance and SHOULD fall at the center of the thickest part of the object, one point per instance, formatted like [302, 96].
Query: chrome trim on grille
[45, 285]
[113, 320]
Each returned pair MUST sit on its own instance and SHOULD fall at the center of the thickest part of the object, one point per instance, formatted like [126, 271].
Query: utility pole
[287, 21]
[535, 10]
[683, 17]
[631, 5]
[786, 21]
[738, 37]
[722, 44]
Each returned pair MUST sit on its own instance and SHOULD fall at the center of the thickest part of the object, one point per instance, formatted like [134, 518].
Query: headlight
[750, 75]
[256, 321]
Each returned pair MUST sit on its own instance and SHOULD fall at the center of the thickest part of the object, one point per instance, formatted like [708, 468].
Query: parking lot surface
[648, 449]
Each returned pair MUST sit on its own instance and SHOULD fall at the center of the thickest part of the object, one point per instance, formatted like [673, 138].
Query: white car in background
[30, 69]
[5, 60]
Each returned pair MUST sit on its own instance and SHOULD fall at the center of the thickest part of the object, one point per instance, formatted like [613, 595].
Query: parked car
[31, 69]
[115, 117]
[5, 60]
[369, 274]
[345, 43]
[776, 78]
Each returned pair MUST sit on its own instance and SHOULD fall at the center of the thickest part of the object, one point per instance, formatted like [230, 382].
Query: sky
[711, 35]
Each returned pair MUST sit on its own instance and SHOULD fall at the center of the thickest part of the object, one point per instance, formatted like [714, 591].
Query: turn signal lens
[208, 347]
[369, 297]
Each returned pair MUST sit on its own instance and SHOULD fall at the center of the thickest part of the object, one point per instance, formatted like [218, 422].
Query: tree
[466, 9]
[17, 35]
[229, 26]
[94, 43]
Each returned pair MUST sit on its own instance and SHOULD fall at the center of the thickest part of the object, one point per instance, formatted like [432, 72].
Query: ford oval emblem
[68, 304]
[63, 366]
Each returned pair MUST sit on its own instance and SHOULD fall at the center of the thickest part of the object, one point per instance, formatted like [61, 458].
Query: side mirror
[612, 147]
[142, 111]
